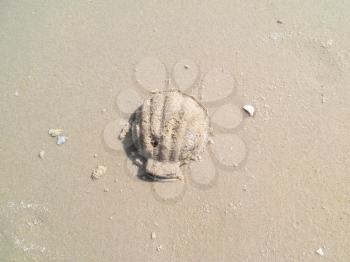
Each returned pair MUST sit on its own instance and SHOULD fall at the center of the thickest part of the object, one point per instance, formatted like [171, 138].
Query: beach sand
[272, 187]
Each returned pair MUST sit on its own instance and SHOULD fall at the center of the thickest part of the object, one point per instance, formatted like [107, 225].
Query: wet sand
[273, 187]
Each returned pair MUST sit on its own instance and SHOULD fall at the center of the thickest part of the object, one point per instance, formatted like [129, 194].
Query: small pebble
[41, 154]
[16, 93]
[186, 66]
[159, 248]
[153, 235]
[320, 252]
[106, 190]
[279, 22]
[103, 110]
[95, 155]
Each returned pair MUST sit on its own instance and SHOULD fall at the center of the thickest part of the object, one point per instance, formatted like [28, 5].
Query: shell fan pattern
[169, 130]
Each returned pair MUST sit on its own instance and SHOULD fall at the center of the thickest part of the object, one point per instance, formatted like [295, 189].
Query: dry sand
[273, 187]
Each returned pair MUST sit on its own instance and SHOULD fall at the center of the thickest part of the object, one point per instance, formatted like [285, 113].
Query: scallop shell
[169, 130]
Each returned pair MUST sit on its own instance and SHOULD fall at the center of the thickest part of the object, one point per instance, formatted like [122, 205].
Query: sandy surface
[275, 187]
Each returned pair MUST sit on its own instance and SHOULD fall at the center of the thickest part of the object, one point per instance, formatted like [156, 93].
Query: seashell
[249, 109]
[169, 130]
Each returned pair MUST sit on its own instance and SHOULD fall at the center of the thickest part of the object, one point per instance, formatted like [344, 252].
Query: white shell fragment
[249, 109]
[98, 172]
[61, 140]
[153, 235]
[55, 132]
[169, 130]
[320, 252]
[41, 154]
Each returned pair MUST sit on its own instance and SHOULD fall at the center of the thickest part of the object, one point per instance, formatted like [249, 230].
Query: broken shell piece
[98, 172]
[55, 132]
[41, 154]
[320, 252]
[249, 109]
[61, 140]
[153, 235]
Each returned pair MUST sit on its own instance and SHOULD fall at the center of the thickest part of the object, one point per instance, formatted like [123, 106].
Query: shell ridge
[178, 132]
[157, 111]
[162, 125]
[183, 144]
[146, 130]
[135, 130]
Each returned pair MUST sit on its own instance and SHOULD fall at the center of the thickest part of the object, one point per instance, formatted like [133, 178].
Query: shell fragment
[249, 109]
[61, 140]
[55, 132]
[42, 154]
[98, 172]
[320, 252]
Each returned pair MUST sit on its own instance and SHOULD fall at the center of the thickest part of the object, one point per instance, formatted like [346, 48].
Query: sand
[273, 187]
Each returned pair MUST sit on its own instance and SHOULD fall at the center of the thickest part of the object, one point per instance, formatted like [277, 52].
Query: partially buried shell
[170, 129]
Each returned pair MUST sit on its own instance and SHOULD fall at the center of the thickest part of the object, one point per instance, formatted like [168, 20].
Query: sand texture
[270, 186]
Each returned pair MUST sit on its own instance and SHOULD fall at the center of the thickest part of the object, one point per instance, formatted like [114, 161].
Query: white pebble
[249, 109]
[61, 140]
[16, 93]
[320, 252]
